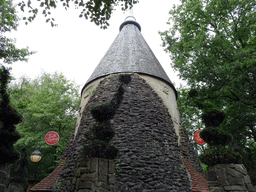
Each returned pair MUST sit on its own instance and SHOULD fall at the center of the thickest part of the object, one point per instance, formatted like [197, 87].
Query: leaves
[9, 21]
[98, 11]
[48, 103]
[9, 117]
[212, 46]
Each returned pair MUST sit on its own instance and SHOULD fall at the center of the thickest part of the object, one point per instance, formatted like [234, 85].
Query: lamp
[36, 155]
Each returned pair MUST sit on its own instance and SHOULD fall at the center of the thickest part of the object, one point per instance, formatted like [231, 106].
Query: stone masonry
[144, 134]
[95, 174]
[229, 177]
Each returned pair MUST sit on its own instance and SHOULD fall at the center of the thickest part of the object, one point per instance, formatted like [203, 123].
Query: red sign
[51, 138]
[198, 139]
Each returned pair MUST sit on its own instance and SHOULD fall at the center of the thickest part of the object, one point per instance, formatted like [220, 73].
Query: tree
[98, 11]
[9, 117]
[9, 21]
[212, 44]
[48, 103]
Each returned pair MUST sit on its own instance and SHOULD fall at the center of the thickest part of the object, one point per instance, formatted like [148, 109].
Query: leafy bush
[214, 136]
[103, 112]
[214, 155]
[103, 131]
[107, 111]
[213, 118]
[100, 149]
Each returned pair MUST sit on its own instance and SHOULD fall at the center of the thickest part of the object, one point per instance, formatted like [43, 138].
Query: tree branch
[237, 98]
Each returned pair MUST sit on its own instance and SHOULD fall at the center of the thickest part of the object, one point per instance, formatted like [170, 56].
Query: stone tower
[148, 133]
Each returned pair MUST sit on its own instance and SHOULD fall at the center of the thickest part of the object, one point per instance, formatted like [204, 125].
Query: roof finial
[130, 19]
[130, 16]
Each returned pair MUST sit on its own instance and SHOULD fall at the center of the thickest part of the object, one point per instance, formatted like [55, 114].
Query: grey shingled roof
[129, 53]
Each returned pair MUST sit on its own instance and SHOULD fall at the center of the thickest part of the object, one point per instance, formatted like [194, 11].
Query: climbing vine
[101, 133]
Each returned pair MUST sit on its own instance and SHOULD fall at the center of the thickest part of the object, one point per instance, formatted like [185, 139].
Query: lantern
[36, 155]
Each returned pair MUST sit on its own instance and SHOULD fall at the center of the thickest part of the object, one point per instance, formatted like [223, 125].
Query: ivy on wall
[101, 133]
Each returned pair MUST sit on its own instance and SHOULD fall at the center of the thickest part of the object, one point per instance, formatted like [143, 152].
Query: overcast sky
[76, 46]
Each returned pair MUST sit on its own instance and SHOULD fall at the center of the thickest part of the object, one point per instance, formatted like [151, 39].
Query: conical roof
[129, 53]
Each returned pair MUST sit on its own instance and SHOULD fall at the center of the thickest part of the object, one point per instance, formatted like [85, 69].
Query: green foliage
[101, 133]
[212, 46]
[9, 117]
[9, 21]
[107, 111]
[190, 115]
[205, 167]
[103, 112]
[47, 103]
[214, 155]
[21, 170]
[98, 12]
[118, 170]
[213, 118]
[58, 187]
[100, 149]
[215, 137]
[125, 78]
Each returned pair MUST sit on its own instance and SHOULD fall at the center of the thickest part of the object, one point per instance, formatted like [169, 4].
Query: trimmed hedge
[101, 133]
[213, 118]
[214, 155]
[214, 137]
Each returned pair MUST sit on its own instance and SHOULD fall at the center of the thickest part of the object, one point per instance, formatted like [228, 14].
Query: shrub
[214, 136]
[103, 112]
[214, 155]
[213, 118]
[100, 149]
[103, 131]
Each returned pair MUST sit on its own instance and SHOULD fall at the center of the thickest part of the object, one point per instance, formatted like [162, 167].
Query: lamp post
[36, 155]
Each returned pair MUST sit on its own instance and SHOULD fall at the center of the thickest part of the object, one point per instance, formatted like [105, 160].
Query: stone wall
[229, 177]
[144, 133]
[95, 174]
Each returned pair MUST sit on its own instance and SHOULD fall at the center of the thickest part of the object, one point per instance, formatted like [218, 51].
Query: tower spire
[130, 53]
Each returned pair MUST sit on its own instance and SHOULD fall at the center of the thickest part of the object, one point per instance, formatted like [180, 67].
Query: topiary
[213, 118]
[214, 155]
[102, 132]
[214, 136]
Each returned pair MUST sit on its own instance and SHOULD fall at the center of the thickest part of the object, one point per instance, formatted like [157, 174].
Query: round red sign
[198, 139]
[51, 138]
